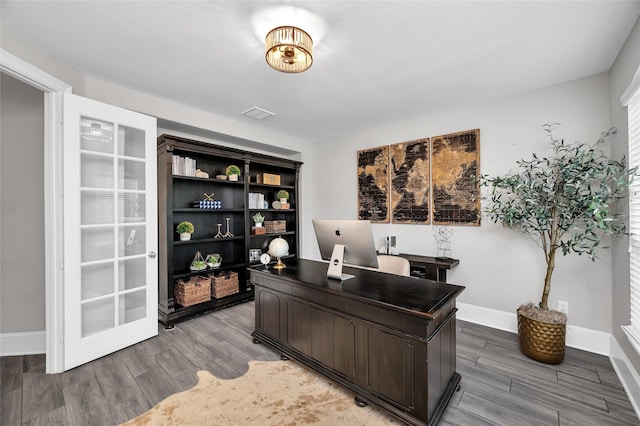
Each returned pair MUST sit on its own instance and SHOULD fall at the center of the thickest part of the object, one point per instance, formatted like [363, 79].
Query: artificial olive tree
[563, 201]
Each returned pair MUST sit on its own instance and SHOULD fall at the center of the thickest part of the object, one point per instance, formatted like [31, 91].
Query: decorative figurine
[442, 234]
[219, 234]
[228, 233]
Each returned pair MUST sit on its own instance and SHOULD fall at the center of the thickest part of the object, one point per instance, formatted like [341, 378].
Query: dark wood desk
[428, 267]
[389, 339]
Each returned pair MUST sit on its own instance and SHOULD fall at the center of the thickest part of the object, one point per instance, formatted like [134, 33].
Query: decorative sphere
[278, 247]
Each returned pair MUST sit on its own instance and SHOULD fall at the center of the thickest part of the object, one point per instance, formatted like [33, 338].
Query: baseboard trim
[25, 343]
[626, 373]
[577, 337]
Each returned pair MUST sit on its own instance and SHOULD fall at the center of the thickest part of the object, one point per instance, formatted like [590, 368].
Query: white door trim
[53, 230]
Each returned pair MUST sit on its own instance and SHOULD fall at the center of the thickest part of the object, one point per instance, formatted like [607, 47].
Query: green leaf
[563, 200]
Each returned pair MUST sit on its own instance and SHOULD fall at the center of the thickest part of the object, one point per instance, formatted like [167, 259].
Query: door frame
[53, 89]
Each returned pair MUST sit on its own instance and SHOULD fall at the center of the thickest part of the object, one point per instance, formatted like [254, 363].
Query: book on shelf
[183, 166]
[256, 200]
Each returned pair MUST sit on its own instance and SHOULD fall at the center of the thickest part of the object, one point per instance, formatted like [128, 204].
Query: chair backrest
[394, 265]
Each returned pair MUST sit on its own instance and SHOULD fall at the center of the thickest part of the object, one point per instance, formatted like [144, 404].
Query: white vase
[185, 236]
[283, 200]
[233, 178]
[258, 225]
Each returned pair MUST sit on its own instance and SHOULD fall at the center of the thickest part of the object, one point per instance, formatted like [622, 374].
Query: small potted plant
[233, 172]
[185, 229]
[258, 219]
[283, 195]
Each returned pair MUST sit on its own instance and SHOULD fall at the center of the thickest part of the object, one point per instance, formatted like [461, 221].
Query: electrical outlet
[563, 307]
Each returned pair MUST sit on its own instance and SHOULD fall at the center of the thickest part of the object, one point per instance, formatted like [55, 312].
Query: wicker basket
[275, 226]
[193, 290]
[541, 341]
[224, 284]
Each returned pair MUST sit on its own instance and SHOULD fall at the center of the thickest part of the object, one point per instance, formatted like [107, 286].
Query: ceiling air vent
[258, 113]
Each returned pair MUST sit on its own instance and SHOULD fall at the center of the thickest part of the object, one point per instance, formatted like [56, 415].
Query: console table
[432, 268]
[389, 339]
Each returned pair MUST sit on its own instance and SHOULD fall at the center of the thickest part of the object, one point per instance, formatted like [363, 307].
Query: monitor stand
[335, 264]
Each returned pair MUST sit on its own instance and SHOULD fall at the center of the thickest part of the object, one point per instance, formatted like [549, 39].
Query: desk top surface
[439, 262]
[414, 294]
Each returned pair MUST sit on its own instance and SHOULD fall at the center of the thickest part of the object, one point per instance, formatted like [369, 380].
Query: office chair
[394, 265]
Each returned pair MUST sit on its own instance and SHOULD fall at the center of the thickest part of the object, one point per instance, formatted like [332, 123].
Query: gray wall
[499, 267]
[22, 287]
[621, 74]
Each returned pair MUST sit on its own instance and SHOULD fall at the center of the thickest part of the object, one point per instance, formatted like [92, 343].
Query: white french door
[110, 229]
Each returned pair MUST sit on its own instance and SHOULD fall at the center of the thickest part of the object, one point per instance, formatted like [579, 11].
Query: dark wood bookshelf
[176, 194]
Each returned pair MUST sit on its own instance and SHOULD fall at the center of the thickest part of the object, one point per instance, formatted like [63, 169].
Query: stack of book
[207, 204]
[183, 166]
[256, 200]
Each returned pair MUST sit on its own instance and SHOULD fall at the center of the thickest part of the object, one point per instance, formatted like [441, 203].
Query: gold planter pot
[541, 341]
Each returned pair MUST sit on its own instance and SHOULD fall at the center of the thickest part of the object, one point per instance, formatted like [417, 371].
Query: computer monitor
[345, 241]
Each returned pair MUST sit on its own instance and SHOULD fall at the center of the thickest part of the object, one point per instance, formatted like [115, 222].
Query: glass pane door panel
[130, 174]
[110, 201]
[96, 171]
[133, 306]
[131, 142]
[96, 135]
[97, 207]
[132, 241]
[97, 280]
[97, 316]
[131, 207]
[97, 244]
[132, 273]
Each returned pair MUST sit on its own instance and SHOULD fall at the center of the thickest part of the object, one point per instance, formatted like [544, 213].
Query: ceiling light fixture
[288, 49]
[94, 132]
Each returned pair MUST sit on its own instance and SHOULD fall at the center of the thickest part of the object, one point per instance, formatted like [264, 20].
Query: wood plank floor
[499, 385]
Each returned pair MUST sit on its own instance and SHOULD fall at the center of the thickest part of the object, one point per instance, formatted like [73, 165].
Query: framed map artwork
[409, 170]
[454, 172]
[373, 184]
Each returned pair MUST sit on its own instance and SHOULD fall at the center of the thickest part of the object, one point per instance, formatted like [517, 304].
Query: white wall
[244, 132]
[499, 267]
[243, 128]
[22, 274]
[43, 61]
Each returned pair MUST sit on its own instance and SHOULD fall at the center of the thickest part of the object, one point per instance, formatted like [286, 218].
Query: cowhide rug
[270, 393]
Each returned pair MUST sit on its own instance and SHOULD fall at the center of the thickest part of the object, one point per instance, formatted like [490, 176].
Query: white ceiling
[378, 62]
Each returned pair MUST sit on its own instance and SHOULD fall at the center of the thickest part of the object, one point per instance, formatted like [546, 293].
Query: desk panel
[373, 334]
